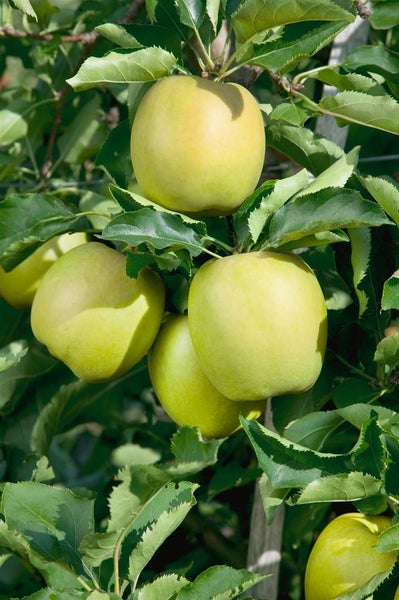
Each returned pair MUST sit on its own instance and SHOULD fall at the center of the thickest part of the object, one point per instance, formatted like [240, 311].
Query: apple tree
[103, 495]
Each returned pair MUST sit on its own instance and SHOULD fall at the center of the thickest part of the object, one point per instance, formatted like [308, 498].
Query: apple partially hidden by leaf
[344, 556]
[19, 285]
[95, 318]
[184, 391]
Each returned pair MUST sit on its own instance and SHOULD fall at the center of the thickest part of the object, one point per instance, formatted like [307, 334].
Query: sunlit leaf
[147, 64]
[255, 16]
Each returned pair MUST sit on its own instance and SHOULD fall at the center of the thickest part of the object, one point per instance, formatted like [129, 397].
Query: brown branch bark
[265, 540]
[85, 38]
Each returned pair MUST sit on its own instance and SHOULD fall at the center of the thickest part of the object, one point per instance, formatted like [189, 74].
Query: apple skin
[197, 146]
[258, 322]
[19, 285]
[185, 393]
[343, 557]
[95, 318]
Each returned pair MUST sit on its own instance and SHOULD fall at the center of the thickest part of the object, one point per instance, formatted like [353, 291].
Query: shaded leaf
[390, 294]
[13, 126]
[28, 220]
[376, 58]
[303, 146]
[54, 520]
[11, 354]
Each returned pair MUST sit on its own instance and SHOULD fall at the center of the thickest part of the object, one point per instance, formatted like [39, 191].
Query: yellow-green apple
[184, 391]
[344, 556]
[19, 285]
[197, 146]
[95, 318]
[258, 322]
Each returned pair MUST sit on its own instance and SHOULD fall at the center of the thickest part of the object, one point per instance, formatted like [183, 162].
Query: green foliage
[102, 496]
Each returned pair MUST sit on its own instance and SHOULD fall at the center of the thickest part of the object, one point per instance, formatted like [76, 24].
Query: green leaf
[385, 15]
[256, 16]
[11, 354]
[12, 126]
[378, 112]
[147, 64]
[386, 192]
[219, 583]
[156, 531]
[162, 587]
[288, 464]
[131, 200]
[303, 146]
[348, 82]
[28, 220]
[191, 453]
[157, 229]
[114, 155]
[313, 429]
[390, 294]
[212, 10]
[297, 42]
[376, 58]
[358, 413]
[118, 34]
[387, 351]
[347, 487]
[388, 540]
[367, 589]
[334, 176]
[283, 190]
[84, 135]
[360, 256]
[54, 520]
[26, 7]
[191, 12]
[369, 455]
[328, 209]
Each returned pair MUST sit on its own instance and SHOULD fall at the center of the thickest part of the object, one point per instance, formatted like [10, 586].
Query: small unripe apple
[19, 285]
[184, 391]
[344, 556]
[197, 146]
[258, 322]
[95, 318]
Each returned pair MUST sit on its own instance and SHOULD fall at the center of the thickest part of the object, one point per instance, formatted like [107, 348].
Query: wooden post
[265, 540]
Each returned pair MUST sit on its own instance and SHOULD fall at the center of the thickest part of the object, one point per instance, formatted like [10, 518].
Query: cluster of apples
[197, 147]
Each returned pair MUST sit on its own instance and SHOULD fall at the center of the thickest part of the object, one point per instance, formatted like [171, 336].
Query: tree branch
[85, 38]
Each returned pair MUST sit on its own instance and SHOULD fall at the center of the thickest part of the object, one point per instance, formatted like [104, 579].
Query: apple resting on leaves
[183, 390]
[197, 146]
[95, 318]
[19, 285]
[258, 322]
[344, 556]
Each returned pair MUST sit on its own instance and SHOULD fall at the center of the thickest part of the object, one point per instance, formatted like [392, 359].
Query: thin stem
[209, 64]
[354, 369]
[220, 244]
